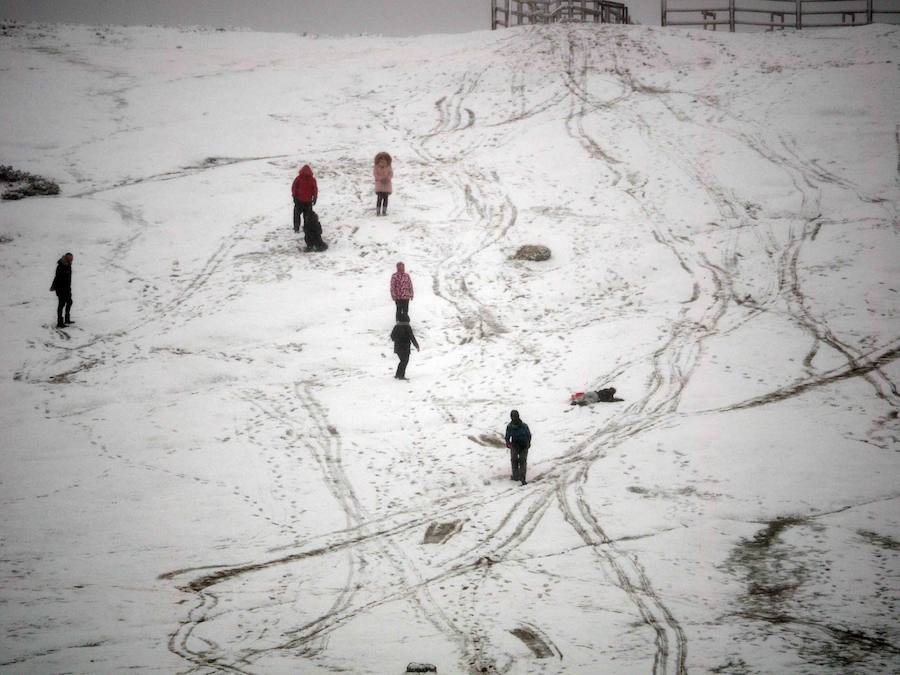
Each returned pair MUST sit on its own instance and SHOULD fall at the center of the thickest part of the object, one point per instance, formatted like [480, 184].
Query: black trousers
[382, 201]
[64, 303]
[300, 208]
[403, 355]
[518, 459]
[402, 310]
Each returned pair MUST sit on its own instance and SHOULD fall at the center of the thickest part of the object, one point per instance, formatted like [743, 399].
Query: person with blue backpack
[518, 440]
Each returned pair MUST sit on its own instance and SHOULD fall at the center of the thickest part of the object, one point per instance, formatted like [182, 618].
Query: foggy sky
[330, 17]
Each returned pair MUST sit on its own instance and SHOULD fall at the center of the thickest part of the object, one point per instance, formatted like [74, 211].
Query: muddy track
[631, 576]
[875, 359]
[315, 435]
[208, 164]
[487, 206]
[672, 366]
[577, 65]
[190, 301]
[721, 300]
[807, 177]
[493, 214]
[453, 119]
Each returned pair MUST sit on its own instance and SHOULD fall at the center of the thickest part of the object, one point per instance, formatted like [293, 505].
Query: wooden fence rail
[505, 13]
[781, 13]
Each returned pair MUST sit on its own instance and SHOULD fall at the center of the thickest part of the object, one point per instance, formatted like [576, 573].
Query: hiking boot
[60, 324]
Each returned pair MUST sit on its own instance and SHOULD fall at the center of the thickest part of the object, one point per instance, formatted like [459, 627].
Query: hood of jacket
[305, 171]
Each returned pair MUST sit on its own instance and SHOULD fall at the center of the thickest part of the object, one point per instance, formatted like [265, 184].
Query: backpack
[519, 434]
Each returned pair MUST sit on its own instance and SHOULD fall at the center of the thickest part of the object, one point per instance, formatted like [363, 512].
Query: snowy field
[213, 469]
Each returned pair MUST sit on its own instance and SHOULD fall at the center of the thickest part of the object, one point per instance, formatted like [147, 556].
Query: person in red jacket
[401, 292]
[305, 191]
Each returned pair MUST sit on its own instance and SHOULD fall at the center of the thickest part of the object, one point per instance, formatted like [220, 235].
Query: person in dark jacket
[62, 284]
[312, 233]
[518, 440]
[305, 192]
[403, 337]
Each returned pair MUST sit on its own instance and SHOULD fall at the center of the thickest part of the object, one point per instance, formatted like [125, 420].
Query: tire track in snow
[808, 178]
[490, 210]
[576, 69]
[191, 301]
[208, 164]
[710, 311]
[325, 446]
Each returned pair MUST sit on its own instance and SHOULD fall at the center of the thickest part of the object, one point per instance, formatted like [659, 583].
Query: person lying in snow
[599, 396]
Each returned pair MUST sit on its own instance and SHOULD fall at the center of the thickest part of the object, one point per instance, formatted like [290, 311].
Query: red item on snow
[305, 188]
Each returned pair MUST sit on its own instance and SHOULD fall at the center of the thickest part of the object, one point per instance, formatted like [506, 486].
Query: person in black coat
[403, 337]
[518, 440]
[62, 284]
[312, 232]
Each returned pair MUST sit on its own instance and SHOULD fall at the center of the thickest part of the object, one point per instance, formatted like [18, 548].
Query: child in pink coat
[383, 174]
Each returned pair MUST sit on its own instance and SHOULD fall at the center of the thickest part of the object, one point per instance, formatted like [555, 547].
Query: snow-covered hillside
[214, 470]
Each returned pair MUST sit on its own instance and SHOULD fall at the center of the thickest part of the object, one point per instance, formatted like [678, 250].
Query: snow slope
[213, 470]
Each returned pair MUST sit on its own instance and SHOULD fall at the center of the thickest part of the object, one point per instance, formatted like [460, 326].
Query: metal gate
[775, 14]
[505, 13]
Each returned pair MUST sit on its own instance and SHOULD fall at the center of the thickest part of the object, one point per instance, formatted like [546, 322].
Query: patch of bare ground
[879, 540]
[780, 598]
[20, 184]
[491, 440]
[439, 533]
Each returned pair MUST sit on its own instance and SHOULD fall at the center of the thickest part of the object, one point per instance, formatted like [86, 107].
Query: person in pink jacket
[401, 292]
[383, 174]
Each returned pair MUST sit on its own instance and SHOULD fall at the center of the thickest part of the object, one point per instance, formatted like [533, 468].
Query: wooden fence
[776, 14]
[507, 13]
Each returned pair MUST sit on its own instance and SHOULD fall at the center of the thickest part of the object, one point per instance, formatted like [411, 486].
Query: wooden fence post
[731, 15]
[662, 11]
[798, 8]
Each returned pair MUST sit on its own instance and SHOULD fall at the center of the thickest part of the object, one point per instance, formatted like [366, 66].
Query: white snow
[214, 471]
